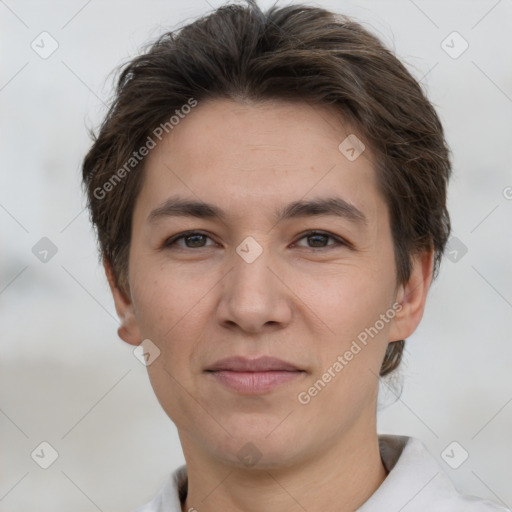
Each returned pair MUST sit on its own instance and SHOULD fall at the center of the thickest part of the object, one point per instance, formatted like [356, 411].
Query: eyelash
[339, 241]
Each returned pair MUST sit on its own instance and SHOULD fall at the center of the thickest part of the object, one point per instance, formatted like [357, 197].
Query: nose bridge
[252, 295]
[251, 276]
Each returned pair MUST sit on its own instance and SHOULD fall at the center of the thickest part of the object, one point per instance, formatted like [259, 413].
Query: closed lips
[260, 364]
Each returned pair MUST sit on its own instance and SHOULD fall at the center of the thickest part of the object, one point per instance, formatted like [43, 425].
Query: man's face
[251, 283]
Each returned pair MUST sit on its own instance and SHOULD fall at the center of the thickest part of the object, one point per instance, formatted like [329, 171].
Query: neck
[340, 478]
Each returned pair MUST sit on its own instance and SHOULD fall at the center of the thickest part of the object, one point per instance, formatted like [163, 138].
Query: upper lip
[260, 364]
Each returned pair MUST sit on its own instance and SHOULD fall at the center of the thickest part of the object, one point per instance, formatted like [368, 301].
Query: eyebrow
[336, 206]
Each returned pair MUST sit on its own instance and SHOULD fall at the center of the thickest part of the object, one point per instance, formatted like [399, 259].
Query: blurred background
[65, 377]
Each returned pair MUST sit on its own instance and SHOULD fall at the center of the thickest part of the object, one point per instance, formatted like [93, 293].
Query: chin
[259, 447]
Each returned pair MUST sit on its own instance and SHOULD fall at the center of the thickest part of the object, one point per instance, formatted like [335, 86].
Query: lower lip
[253, 383]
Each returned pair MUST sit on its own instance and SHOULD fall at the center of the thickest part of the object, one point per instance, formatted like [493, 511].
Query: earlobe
[128, 329]
[412, 297]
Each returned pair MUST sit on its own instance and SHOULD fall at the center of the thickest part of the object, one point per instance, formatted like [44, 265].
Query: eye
[197, 240]
[192, 239]
[319, 240]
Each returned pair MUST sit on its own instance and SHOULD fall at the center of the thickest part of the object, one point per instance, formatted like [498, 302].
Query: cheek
[347, 299]
[350, 304]
[168, 310]
[164, 297]
[173, 309]
[351, 353]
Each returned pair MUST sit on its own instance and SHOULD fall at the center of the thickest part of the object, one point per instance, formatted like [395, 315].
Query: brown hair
[291, 53]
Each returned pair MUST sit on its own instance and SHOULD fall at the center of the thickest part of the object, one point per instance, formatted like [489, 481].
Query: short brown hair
[293, 53]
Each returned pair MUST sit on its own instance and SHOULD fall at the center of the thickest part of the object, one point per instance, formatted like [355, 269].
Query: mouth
[254, 376]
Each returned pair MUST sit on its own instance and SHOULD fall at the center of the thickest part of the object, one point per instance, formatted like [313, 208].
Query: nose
[254, 296]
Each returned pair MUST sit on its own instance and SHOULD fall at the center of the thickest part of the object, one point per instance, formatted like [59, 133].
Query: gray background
[68, 380]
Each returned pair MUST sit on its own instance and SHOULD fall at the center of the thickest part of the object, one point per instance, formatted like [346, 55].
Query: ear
[412, 296]
[128, 329]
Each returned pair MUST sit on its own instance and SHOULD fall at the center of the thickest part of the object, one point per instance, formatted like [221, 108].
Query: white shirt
[415, 483]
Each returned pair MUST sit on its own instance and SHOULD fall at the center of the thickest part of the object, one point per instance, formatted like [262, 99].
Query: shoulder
[416, 482]
[167, 498]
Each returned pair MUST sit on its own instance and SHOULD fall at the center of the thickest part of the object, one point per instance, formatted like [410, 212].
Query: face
[261, 271]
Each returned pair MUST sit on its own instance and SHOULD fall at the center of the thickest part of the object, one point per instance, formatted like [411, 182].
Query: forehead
[250, 156]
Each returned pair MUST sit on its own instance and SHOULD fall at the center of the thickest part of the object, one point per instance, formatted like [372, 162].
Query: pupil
[318, 237]
[194, 244]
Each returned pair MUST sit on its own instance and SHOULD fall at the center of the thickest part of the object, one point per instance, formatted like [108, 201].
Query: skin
[303, 300]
